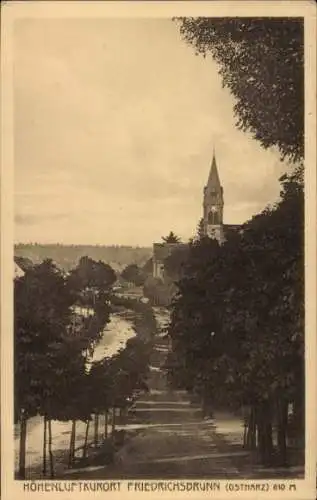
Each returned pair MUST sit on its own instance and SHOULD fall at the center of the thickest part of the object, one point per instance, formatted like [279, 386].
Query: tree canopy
[90, 274]
[48, 362]
[171, 238]
[261, 62]
[134, 274]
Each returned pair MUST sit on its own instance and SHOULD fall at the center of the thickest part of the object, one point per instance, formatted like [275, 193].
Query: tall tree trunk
[251, 434]
[299, 417]
[44, 445]
[50, 448]
[269, 442]
[23, 428]
[86, 439]
[245, 434]
[106, 424]
[72, 444]
[96, 429]
[282, 431]
[265, 434]
[113, 420]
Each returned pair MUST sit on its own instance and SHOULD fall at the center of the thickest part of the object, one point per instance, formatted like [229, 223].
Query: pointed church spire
[213, 179]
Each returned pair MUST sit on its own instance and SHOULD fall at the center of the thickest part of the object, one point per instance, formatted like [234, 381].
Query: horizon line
[81, 244]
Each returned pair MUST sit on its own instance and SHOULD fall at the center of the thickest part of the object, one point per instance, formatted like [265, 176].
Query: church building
[213, 203]
[212, 222]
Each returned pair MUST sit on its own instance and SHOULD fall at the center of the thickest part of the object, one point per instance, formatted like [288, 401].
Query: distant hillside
[67, 256]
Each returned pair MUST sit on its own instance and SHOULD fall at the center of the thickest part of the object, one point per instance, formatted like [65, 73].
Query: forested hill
[67, 256]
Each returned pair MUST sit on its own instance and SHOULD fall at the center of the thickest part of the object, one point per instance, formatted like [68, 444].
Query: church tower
[213, 204]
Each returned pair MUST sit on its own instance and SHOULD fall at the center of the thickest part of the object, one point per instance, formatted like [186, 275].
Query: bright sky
[115, 123]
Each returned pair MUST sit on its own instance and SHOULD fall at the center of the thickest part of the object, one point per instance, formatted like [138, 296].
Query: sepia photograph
[159, 182]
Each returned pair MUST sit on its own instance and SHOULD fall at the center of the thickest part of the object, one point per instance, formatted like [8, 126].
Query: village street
[166, 434]
[168, 437]
[158, 332]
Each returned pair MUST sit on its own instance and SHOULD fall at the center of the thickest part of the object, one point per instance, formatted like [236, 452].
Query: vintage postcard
[158, 250]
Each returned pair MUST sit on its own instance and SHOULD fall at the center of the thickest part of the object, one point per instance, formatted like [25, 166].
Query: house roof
[23, 262]
[18, 272]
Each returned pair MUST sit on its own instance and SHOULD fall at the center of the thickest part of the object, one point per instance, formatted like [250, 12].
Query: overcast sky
[115, 123]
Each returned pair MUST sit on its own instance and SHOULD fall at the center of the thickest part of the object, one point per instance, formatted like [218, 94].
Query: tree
[101, 393]
[171, 238]
[51, 347]
[93, 276]
[261, 62]
[133, 274]
[200, 234]
[131, 369]
[115, 381]
[44, 359]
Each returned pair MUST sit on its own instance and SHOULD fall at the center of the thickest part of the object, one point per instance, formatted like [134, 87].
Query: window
[213, 217]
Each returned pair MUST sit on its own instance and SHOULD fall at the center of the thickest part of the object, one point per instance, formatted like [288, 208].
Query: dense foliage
[49, 362]
[174, 264]
[42, 344]
[134, 274]
[91, 275]
[115, 381]
[261, 62]
[237, 326]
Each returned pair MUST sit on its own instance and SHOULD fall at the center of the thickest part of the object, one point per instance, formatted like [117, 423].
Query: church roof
[213, 179]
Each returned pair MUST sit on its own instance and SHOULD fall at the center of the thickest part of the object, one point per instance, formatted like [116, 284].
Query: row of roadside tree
[58, 321]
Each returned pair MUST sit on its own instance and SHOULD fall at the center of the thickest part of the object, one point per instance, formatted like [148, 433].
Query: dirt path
[168, 436]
